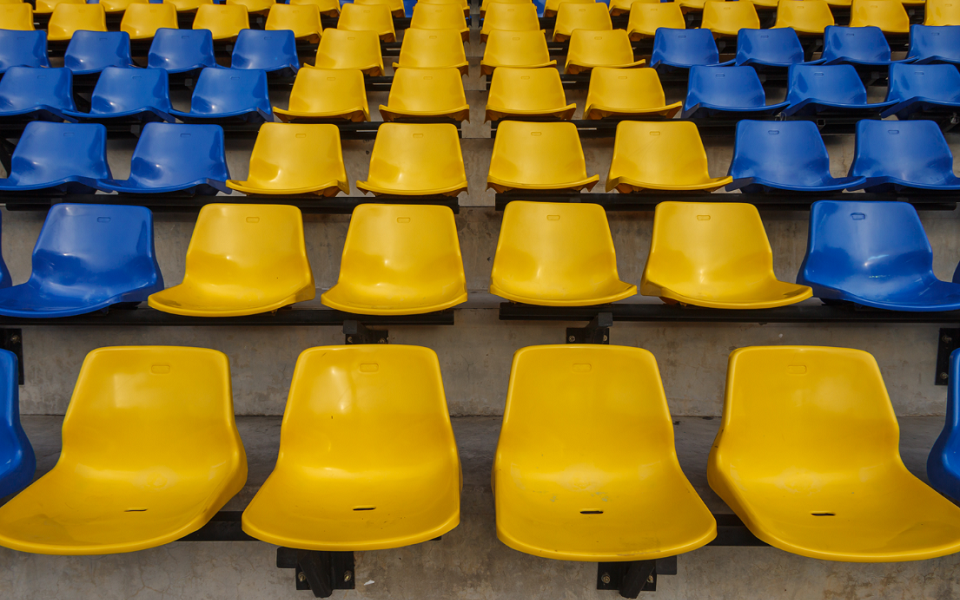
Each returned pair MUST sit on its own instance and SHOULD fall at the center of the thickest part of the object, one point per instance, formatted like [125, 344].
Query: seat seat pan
[636, 185]
[735, 295]
[106, 117]
[932, 297]
[707, 109]
[356, 115]
[33, 302]
[203, 186]
[202, 299]
[502, 185]
[383, 190]
[950, 183]
[918, 104]
[494, 112]
[834, 184]
[13, 186]
[600, 111]
[192, 117]
[463, 67]
[457, 113]
[582, 295]
[812, 105]
[383, 298]
[321, 188]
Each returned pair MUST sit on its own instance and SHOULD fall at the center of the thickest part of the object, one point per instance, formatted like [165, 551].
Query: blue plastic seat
[5, 280]
[731, 91]
[58, 157]
[864, 46]
[23, 49]
[768, 48]
[175, 158]
[32, 94]
[684, 48]
[782, 155]
[270, 51]
[814, 89]
[902, 155]
[122, 94]
[88, 257]
[181, 50]
[93, 51]
[229, 95]
[873, 254]
[934, 44]
[921, 88]
[943, 462]
[18, 463]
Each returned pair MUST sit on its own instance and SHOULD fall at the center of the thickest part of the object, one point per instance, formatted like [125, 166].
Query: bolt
[946, 339]
[349, 339]
[347, 575]
[649, 578]
[301, 577]
[382, 340]
[944, 376]
[605, 578]
[15, 339]
[571, 339]
[606, 338]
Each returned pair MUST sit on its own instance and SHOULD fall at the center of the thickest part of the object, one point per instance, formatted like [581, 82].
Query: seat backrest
[573, 15]
[729, 16]
[859, 44]
[826, 83]
[314, 90]
[427, 89]
[806, 15]
[538, 153]
[178, 50]
[286, 155]
[221, 91]
[625, 87]
[730, 87]
[15, 448]
[888, 15]
[526, 89]
[27, 87]
[173, 153]
[90, 51]
[779, 46]
[120, 90]
[417, 156]
[928, 41]
[47, 6]
[16, 17]
[669, 152]
[70, 18]
[653, 15]
[142, 21]
[516, 48]
[23, 49]
[372, 17]
[934, 82]
[511, 17]
[606, 47]
[432, 48]
[783, 152]
[340, 47]
[438, 16]
[51, 151]
[302, 19]
[941, 12]
[269, 50]
[909, 150]
[684, 47]
[223, 20]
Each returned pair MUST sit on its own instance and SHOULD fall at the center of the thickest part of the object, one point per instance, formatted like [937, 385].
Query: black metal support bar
[12, 340]
[948, 340]
[596, 332]
[319, 572]
[358, 333]
[732, 532]
[631, 578]
[223, 527]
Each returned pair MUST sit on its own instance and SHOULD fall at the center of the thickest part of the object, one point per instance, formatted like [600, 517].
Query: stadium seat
[523, 49]
[551, 7]
[660, 156]
[483, 5]
[538, 156]
[128, 94]
[715, 255]
[726, 19]
[32, 94]
[921, 88]
[684, 48]
[396, 6]
[229, 95]
[141, 21]
[181, 50]
[440, 16]
[732, 92]
[815, 89]
[889, 15]
[187, 6]
[325, 95]
[805, 17]
[465, 4]
[934, 44]
[92, 51]
[302, 19]
[647, 17]
[399, 260]
[175, 158]
[70, 18]
[509, 17]
[903, 156]
[783, 155]
[527, 93]
[45, 7]
[87, 257]
[572, 16]
[938, 13]
[415, 159]
[350, 50]
[18, 463]
[59, 158]
[832, 485]
[16, 17]
[224, 21]
[942, 468]
[589, 49]
[328, 8]
[621, 497]
[861, 46]
[691, 5]
[626, 93]
[255, 7]
[270, 51]
[373, 17]
[243, 259]
[295, 159]
[425, 94]
[23, 49]
[172, 458]
[432, 49]
[118, 6]
[873, 254]
[556, 254]
[776, 48]
[383, 474]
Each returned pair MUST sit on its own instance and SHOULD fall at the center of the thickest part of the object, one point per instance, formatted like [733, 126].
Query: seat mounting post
[631, 578]
[358, 333]
[597, 331]
[12, 340]
[319, 572]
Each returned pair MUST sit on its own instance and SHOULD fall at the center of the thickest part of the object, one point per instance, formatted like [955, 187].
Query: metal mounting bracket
[319, 572]
[596, 332]
[358, 333]
[12, 340]
[947, 342]
[631, 578]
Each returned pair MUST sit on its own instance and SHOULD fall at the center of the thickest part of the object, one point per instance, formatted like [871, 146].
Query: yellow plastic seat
[807, 457]
[302, 19]
[187, 5]
[367, 460]
[509, 17]
[47, 6]
[627, 93]
[889, 15]
[839, 2]
[465, 4]
[942, 12]
[68, 18]
[225, 21]
[243, 259]
[399, 260]
[350, 50]
[253, 6]
[526, 49]
[326, 95]
[619, 497]
[714, 254]
[572, 16]
[150, 453]
[646, 18]
[141, 21]
[418, 94]
[416, 159]
[589, 49]
[432, 49]
[806, 17]
[440, 16]
[16, 17]
[527, 93]
[556, 254]
[486, 3]
[552, 6]
[691, 5]
[725, 19]
[119, 6]
[538, 156]
[328, 8]
[374, 17]
[395, 6]
[295, 159]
